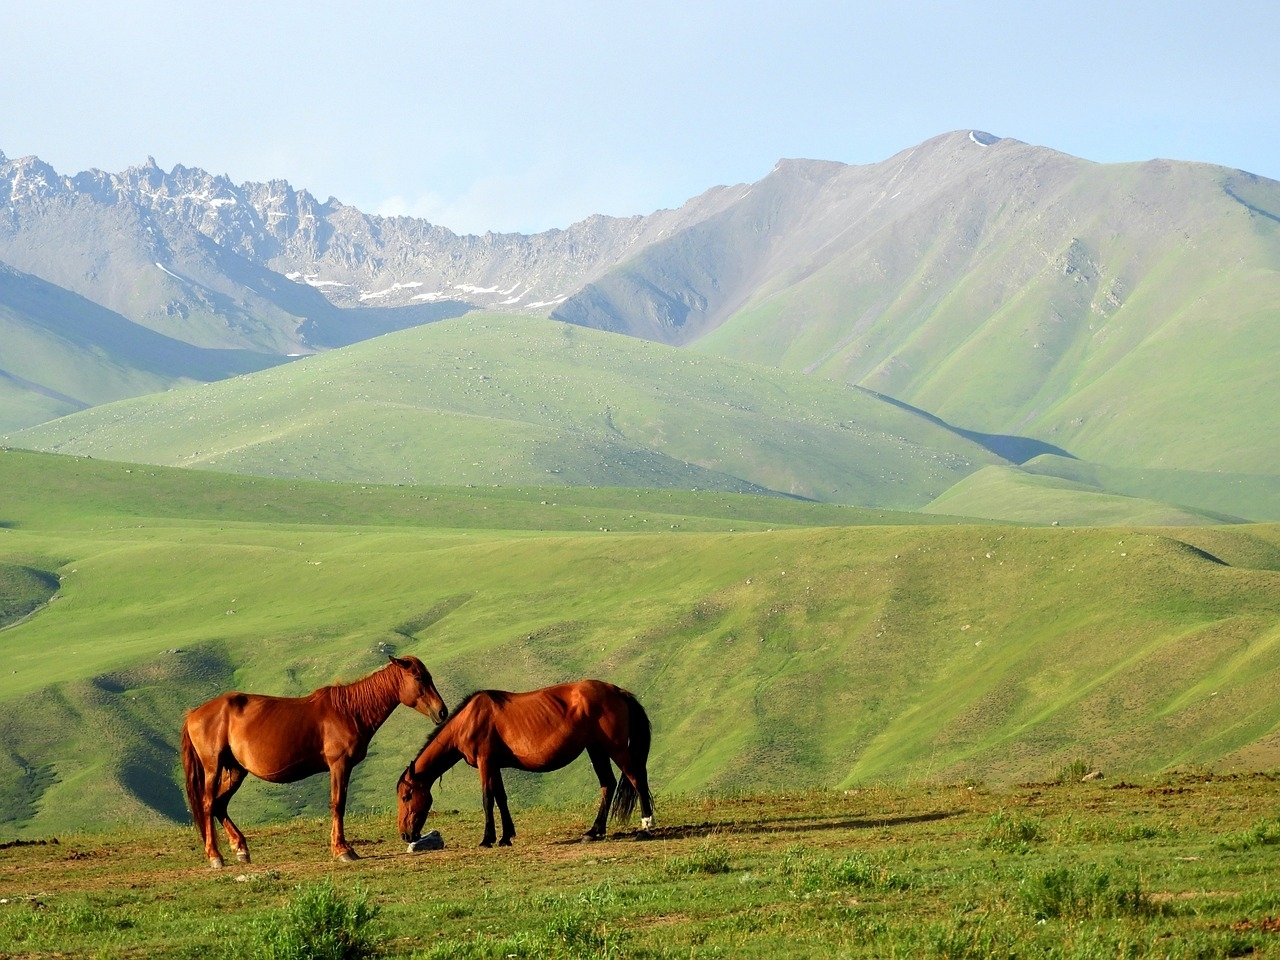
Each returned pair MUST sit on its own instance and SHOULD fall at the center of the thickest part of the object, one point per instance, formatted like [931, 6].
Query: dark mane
[497, 696]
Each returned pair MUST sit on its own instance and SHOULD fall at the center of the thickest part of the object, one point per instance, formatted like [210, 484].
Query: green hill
[796, 655]
[1017, 495]
[60, 352]
[1123, 312]
[1255, 496]
[1007, 294]
[493, 399]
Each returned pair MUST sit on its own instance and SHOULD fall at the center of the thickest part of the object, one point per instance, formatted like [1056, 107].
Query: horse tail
[624, 801]
[195, 780]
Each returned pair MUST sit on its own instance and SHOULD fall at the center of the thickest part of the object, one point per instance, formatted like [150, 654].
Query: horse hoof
[592, 835]
[486, 843]
[215, 863]
[504, 842]
[348, 856]
[242, 856]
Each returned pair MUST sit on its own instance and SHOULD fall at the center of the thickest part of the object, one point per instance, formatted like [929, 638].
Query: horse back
[281, 739]
[544, 729]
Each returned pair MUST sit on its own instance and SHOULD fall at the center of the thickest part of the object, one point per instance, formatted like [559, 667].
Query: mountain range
[1081, 322]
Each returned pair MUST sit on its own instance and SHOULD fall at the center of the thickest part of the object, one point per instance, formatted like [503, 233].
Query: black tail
[624, 801]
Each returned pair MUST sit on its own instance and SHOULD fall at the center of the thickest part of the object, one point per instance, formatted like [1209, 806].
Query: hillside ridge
[1121, 314]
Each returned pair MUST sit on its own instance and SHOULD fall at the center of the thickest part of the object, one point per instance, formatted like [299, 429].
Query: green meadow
[1174, 866]
[486, 399]
[492, 399]
[1020, 495]
[776, 644]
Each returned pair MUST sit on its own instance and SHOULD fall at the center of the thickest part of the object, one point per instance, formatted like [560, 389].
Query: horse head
[417, 689]
[415, 804]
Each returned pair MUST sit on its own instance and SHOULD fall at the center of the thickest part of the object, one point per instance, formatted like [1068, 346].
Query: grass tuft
[319, 923]
[1073, 772]
[569, 934]
[708, 858]
[1082, 893]
[816, 872]
[1261, 834]
[1010, 832]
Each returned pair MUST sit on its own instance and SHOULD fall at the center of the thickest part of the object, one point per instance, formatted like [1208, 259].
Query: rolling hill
[799, 655]
[1076, 491]
[974, 327]
[60, 353]
[1124, 315]
[1022, 496]
[495, 399]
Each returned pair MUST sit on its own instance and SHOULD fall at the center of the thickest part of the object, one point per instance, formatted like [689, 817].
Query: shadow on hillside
[1014, 449]
[710, 828]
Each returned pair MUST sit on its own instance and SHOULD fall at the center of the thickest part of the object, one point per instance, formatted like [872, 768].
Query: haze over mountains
[1030, 302]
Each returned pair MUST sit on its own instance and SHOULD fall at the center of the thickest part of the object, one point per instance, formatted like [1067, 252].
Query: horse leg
[225, 789]
[640, 780]
[486, 800]
[492, 790]
[638, 777]
[339, 775]
[608, 784]
[500, 794]
[208, 810]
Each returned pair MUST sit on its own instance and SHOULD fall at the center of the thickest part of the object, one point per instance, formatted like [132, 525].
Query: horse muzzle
[437, 714]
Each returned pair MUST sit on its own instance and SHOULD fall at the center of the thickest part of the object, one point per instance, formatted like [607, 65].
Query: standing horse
[283, 739]
[539, 731]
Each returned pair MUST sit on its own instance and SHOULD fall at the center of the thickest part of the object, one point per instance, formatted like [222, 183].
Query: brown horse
[539, 731]
[283, 739]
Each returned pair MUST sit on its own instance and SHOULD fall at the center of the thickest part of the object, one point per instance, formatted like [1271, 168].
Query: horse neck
[440, 753]
[369, 701]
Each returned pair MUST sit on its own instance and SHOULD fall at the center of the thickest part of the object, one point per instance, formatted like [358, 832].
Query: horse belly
[275, 747]
[287, 771]
[548, 758]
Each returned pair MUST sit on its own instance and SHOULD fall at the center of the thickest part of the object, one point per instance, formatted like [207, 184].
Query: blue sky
[491, 114]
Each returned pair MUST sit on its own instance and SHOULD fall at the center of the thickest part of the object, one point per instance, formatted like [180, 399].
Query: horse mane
[497, 696]
[363, 697]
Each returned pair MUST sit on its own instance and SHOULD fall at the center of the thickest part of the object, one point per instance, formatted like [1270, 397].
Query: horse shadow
[777, 825]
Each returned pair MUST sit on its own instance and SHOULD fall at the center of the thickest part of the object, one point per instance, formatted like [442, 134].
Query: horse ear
[398, 662]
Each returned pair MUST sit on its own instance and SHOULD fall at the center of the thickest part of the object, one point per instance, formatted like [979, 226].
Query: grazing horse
[539, 731]
[283, 739]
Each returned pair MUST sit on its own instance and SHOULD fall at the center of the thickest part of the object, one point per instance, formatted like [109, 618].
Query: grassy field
[1253, 496]
[489, 399]
[1183, 865]
[1016, 495]
[771, 646]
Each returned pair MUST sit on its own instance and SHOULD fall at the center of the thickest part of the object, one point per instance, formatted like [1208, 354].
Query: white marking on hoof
[215, 863]
[646, 823]
[242, 856]
[349, 856]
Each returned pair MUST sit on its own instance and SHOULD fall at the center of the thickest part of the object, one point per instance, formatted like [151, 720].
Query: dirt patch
[10, 844]
[1265, 925]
